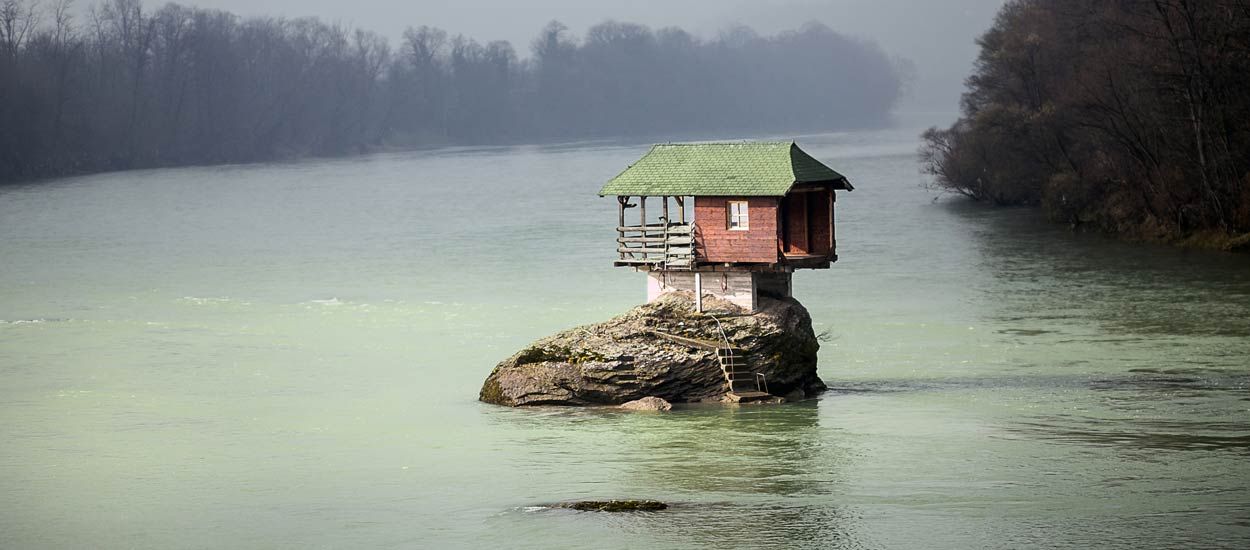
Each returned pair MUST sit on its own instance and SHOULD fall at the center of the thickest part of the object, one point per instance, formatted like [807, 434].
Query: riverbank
[1154, 233]
[434, 143]
[1109, 137]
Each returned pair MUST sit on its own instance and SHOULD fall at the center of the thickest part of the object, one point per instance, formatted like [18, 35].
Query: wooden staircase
[744, 385]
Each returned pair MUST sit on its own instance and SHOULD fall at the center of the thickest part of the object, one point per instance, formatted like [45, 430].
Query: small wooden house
[742, 218]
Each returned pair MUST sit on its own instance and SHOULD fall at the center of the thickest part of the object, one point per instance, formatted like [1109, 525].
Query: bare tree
[131, 87]
[1122, 115]
[17, 19]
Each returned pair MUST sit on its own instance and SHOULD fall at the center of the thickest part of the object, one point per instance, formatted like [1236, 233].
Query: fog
[936, 36]
[130, 84]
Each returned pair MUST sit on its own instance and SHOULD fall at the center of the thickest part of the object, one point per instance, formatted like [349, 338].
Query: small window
[738, 215]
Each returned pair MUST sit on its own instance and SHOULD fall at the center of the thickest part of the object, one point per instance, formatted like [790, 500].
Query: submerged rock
[648, 404]
[624, 358]
[614, 505]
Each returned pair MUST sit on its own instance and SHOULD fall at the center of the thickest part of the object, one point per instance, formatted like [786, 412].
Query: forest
[118, 86]
[1125, 116]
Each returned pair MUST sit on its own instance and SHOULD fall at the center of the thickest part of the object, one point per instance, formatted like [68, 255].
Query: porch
[659, 244]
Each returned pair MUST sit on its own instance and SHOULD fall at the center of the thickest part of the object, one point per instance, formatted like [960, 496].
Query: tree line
[120, 86]
[1128, 116]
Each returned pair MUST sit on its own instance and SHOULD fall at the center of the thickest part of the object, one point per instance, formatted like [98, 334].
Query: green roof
[749, 168]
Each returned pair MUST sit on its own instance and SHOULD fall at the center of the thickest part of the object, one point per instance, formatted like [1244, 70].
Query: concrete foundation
[741, 288]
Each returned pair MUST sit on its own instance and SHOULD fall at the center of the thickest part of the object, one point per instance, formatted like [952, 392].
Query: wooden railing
[662, 245]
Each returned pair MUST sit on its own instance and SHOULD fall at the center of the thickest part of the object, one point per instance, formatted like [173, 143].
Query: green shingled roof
[760, 168]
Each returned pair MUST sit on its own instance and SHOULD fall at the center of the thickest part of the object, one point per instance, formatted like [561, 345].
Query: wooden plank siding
[717, 243]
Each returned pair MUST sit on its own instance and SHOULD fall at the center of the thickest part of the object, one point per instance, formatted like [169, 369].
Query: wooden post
[620, 221]
[698, 292]
[642, 204]
[807, 224]
[664, 229]
[681, 203]
[833, 240]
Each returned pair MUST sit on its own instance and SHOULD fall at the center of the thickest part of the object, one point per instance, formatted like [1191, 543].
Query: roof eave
[840, 184]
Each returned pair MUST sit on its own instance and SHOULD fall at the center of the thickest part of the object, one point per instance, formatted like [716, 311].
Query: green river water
[288, 356]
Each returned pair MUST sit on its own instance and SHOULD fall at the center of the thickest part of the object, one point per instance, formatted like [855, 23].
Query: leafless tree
[131, 87]
[1124, 115]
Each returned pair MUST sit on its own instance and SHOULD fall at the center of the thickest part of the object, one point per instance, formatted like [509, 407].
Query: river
[288, 356]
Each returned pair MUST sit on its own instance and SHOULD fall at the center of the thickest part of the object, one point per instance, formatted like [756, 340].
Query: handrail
[761, 381]
[722, 331]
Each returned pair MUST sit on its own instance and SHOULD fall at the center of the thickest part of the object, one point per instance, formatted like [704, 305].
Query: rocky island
[733, 223]
[656, 350]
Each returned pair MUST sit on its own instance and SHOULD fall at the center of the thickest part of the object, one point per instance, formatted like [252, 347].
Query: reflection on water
[748, 476]
[1045, 273]
[699, 449]
[774, 467]
[1142, 435]
[738, 450]
[764, 525]
[1162, 333]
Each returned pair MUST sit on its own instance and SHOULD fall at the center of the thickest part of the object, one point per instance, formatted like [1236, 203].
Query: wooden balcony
[657, 246]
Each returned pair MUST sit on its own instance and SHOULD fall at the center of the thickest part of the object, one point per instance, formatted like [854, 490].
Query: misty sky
[936, 35]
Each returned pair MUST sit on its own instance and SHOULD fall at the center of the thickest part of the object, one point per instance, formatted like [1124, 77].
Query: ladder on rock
[744, 385]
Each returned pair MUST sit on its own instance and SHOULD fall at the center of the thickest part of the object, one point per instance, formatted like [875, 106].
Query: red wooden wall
[720, 244]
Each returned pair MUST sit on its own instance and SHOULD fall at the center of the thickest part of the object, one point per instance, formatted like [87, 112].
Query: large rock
[648, 404]
[623, 359]
[614, 505]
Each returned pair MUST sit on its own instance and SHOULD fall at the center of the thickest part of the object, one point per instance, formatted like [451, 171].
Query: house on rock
[742, 218]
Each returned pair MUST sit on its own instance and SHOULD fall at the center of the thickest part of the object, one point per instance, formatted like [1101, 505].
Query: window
[738, 215]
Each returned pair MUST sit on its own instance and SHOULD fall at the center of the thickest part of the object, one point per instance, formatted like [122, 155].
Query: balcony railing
[661, 246]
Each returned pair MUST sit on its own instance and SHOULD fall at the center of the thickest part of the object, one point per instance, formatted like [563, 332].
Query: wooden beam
[681, 203]
[697, 343]
[642, 249]
[698, 292]
[642, 203]
[830, 203]
[666, 220]
[620, 214]
[685, 241]
[807, 223]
